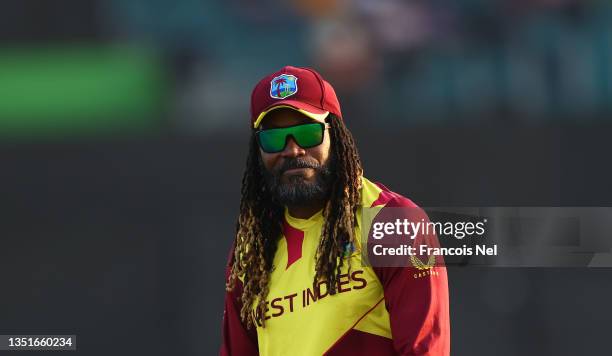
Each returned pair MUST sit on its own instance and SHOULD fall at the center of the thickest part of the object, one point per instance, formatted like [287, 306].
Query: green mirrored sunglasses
[305, 135]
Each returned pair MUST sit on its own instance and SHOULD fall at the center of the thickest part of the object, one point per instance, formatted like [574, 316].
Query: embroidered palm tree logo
[283, 86]
[280, 87]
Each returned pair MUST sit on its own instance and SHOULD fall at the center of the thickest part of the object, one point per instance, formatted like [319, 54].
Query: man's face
[296, 175]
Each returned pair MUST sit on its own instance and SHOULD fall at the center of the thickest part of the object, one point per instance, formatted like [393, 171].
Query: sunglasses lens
[273, 140]
[306, 136]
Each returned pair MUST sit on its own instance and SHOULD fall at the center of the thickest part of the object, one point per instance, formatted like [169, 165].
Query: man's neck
[305, 211]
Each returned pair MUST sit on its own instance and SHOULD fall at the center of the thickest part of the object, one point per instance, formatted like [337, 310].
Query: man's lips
[294, 171]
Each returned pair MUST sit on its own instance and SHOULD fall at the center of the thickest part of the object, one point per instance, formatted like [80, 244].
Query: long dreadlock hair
[259, 224]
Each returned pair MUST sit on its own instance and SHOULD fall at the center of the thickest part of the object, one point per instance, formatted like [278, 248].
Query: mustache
[298, 162]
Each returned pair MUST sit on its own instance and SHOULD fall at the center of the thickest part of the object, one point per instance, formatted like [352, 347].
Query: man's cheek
[268, 165]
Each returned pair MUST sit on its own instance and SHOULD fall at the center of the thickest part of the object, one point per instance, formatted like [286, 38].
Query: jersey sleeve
[417, 300]
[236, 338]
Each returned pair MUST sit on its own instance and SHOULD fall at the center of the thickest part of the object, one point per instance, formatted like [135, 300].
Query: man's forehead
[284, 117]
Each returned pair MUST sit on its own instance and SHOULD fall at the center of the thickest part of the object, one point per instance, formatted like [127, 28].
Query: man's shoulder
[376, 194]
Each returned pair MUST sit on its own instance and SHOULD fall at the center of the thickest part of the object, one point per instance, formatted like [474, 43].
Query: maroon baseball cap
[301, 89]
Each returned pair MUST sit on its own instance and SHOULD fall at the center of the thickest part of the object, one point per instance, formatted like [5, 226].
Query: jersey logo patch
[420, 265]
[283, 86]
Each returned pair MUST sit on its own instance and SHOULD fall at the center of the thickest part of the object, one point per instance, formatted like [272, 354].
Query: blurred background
[124, 131]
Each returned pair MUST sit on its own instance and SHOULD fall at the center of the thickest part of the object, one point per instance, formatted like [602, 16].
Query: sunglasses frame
[324, 125]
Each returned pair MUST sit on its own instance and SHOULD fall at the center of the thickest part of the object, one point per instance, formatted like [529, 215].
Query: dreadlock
[259, 224]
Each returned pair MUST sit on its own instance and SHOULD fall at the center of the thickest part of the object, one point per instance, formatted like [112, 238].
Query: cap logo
[283, 86]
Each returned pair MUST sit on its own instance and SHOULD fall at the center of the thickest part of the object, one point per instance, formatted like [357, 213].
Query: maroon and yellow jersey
[376, 310]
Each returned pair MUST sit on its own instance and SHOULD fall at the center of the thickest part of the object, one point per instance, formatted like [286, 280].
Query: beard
[297, 190]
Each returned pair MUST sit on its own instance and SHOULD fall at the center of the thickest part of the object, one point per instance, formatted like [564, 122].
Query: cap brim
[306, 109]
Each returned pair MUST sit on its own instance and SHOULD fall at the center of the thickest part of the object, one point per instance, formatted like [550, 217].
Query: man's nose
[292, 149]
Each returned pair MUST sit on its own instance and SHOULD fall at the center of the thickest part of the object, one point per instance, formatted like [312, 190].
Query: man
[295, 281]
